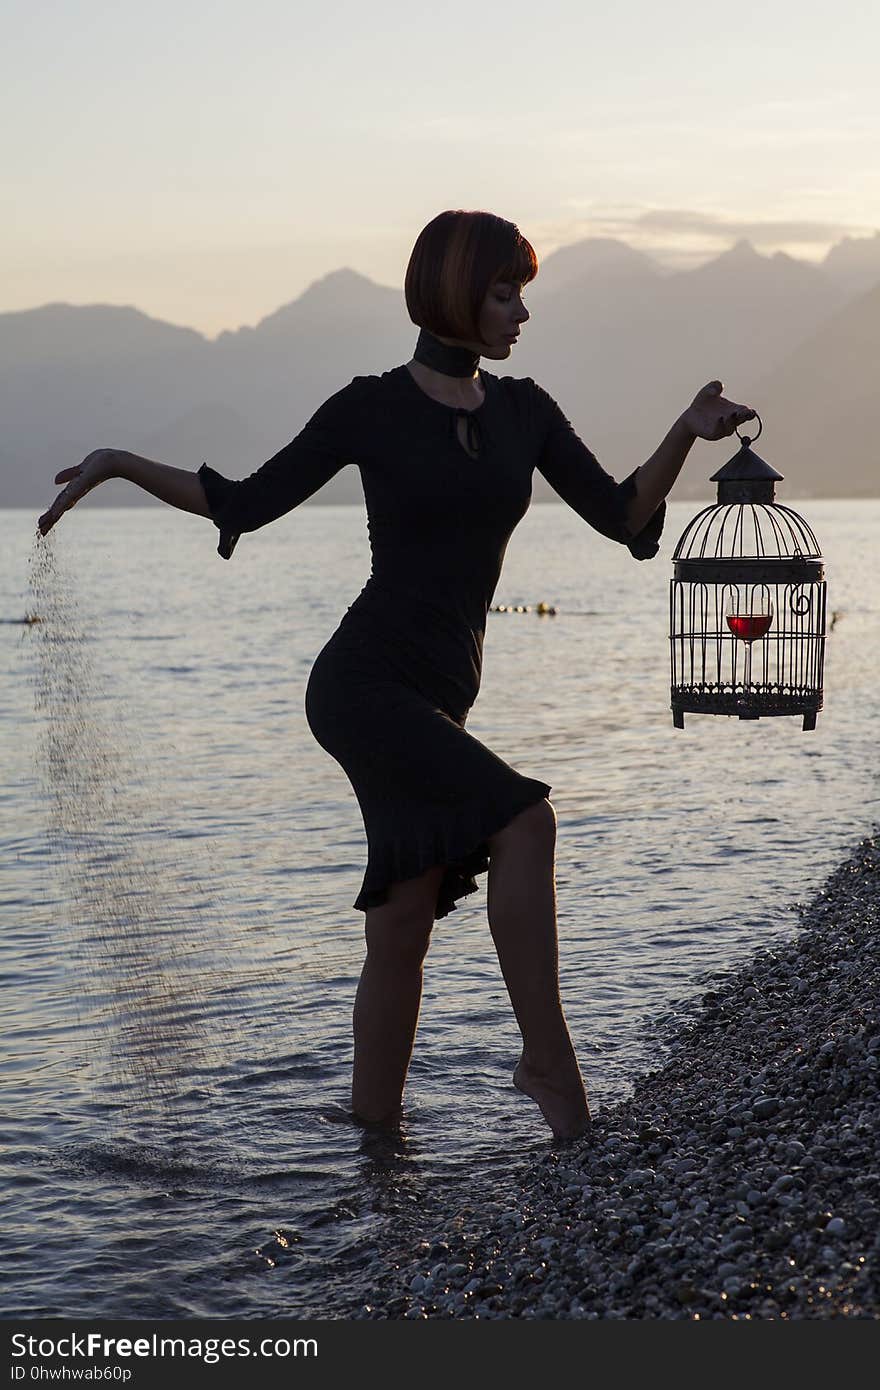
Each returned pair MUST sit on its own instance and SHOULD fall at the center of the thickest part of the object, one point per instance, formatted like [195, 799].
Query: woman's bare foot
[559, 1094]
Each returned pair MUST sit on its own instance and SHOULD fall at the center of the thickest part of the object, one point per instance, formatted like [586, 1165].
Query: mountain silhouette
[622, 344]
[595, 258]
[625, 356]
[822, 430]
[854, 263]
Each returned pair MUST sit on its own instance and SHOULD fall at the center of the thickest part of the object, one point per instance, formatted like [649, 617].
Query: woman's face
[502, 314]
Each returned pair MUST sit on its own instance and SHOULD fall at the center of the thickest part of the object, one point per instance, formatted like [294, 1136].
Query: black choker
[440, 357]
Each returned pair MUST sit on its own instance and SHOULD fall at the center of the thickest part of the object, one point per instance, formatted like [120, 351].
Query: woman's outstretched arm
[573, 470]
[177, 486]
[633, 510]
[709, 416]
[332, 438]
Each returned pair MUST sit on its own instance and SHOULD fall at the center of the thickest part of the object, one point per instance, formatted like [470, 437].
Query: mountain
[212, 429]
[344, 297]
[822, 406]
[74, 378]
[94, 333]
[595, 258]
[277, 374]
[622, 345]
[625, 356]
[95, 377]
[854, 263]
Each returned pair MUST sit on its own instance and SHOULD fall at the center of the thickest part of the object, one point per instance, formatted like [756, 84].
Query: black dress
[389, 694]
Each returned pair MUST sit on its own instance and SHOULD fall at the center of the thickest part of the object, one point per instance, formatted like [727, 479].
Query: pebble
[765, 1106]
[711, 1191]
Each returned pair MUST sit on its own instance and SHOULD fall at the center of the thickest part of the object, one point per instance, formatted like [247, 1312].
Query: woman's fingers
[95, 468]
[711, 393]
[57, 509]
[46, 522]
[738, 416]
[65, 499]
[730, 417]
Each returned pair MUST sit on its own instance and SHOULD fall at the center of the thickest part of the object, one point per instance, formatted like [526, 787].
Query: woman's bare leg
[522, 919]
[386, 1009]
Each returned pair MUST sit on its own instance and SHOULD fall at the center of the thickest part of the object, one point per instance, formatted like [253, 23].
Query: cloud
[681, 237]
[678, 222]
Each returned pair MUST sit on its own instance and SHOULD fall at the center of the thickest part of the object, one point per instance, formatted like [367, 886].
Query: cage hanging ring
[750, 439]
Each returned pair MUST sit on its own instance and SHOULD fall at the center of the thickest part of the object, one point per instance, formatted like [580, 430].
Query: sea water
[179, 861]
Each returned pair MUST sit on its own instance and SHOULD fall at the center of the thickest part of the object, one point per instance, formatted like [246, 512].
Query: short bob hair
[454, 261]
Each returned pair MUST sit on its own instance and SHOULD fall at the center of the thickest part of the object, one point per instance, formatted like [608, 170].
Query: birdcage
[747, 603]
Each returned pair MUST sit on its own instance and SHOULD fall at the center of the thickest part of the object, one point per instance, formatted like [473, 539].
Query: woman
[446, 453]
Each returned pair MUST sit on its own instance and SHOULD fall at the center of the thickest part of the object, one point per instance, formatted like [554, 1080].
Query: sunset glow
[207, 169]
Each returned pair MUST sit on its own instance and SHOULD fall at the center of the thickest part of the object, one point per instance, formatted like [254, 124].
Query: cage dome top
[747, 477]
[755, 531]
[747, 467]
[746, 524]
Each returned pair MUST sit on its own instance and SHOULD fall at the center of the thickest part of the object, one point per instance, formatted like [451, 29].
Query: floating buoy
[542, 609]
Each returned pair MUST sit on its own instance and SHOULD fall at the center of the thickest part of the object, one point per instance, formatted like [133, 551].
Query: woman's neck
[448, 370]
[467, 393]
[448, 356]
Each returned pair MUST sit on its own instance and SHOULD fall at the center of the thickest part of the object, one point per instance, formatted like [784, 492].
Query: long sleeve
[580, 480]
[325, 445]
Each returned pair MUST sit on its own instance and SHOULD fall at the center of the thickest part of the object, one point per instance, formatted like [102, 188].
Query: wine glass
[749, 619]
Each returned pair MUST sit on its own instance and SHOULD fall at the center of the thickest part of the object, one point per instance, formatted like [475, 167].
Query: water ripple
[179, 949]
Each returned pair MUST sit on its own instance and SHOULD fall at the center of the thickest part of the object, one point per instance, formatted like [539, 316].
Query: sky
[207, 162]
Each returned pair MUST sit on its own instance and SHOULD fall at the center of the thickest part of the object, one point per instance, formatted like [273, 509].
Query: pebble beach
[739, 1180]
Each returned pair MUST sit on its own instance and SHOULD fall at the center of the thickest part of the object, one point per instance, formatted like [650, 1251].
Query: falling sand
[143, 952]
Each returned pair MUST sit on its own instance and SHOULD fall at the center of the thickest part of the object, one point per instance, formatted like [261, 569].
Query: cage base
[746, 707]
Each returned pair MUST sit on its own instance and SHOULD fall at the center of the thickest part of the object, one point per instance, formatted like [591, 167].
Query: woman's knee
[399, 932]
[533, 828]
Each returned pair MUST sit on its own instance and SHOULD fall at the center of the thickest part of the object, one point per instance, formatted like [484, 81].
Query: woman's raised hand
[95, 468]
[711, 416]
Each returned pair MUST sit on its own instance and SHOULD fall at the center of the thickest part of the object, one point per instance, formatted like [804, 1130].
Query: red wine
[749, 626]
